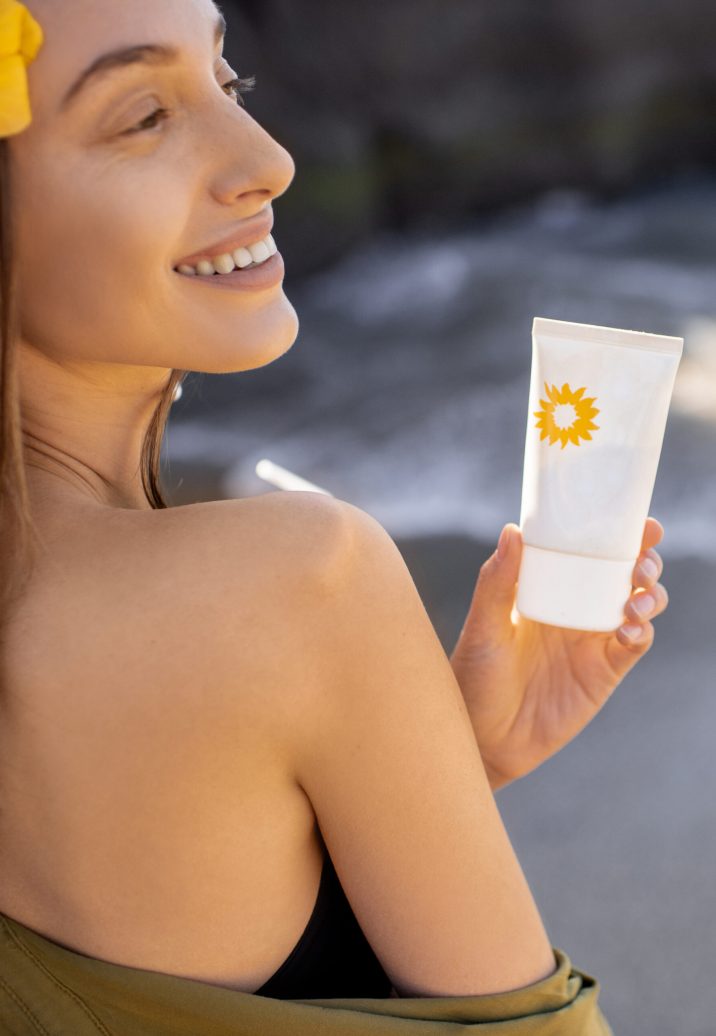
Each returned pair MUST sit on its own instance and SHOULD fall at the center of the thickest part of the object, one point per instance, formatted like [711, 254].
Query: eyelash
[239, 85]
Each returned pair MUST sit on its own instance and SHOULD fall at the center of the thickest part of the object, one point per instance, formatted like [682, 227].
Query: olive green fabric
[49, 989]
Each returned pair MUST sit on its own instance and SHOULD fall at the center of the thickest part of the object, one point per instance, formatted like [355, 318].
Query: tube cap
[573, 591]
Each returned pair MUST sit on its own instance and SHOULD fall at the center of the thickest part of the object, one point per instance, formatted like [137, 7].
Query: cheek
[92, 260]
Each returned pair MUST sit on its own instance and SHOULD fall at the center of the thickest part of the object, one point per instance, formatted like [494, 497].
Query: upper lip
[248, 234]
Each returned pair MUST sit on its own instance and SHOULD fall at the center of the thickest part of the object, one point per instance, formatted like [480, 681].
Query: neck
[83, 427]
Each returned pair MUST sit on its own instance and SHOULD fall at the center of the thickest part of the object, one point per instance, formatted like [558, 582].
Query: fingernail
[632, 632]
[643, 604]
[649, 568]
[503, 543]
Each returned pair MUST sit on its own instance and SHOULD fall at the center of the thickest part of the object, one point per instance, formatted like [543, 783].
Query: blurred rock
[418, 111]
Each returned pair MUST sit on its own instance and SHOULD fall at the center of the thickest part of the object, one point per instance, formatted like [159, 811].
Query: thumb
[495, 590]
[490, 612]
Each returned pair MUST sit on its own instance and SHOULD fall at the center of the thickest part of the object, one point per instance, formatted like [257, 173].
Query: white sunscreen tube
[599, 399]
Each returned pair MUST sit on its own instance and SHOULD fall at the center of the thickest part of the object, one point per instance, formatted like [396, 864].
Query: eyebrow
[147, 53]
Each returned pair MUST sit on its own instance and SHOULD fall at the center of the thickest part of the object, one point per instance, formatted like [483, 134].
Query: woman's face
[109, 196]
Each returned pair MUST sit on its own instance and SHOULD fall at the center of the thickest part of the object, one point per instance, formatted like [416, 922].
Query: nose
[254, 162]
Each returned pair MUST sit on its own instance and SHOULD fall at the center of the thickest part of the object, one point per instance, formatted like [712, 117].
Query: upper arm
[385, 751]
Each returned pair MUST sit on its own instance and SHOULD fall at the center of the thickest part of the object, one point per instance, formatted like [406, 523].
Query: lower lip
[268, 274]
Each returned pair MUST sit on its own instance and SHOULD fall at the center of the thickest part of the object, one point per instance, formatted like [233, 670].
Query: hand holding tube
[530, 687]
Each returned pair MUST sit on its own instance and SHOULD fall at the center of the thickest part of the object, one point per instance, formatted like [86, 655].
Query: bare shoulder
[234, 579]
[265, 552]
[300, 530]
[197, 606]
[290, 573]
[251, 592]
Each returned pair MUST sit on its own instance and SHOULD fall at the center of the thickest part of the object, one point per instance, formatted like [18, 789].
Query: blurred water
[406, 392]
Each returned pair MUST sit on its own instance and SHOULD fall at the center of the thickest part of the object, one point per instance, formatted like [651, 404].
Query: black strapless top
[333, 957]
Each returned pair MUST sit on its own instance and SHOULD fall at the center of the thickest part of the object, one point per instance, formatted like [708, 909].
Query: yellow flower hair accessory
[20, 40]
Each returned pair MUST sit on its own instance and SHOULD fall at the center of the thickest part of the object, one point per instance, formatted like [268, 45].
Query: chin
[266, 344]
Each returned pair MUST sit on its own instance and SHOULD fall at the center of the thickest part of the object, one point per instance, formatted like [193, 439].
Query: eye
[150, 122]
[236, 88]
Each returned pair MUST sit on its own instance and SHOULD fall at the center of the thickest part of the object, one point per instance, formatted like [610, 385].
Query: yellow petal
[14, 101]
[31, 38]
[20, 40]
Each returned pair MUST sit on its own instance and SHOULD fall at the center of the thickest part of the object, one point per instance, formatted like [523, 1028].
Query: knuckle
[642, 604]
[656, 558]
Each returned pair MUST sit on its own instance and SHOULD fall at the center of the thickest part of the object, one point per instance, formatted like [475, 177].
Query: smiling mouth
[244, 258]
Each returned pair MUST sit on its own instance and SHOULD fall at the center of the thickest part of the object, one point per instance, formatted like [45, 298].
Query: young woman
[222, 721]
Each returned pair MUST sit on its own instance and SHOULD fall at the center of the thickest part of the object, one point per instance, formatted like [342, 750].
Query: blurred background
[462, 168]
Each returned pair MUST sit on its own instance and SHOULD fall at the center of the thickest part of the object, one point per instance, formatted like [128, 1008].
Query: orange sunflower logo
[566, 416]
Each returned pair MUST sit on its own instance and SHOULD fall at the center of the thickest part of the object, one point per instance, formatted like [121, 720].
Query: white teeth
[224, 263]
[242, 257]
[259, 251]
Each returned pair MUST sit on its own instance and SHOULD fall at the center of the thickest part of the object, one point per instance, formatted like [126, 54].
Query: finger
[653, 533]
[494, 594]
[637, 637]
[648, 568]
[646, 604]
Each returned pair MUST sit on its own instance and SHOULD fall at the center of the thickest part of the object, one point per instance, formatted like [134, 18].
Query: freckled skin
[103, 217]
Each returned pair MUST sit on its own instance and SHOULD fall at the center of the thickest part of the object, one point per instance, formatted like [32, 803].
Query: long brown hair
[17, 529]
